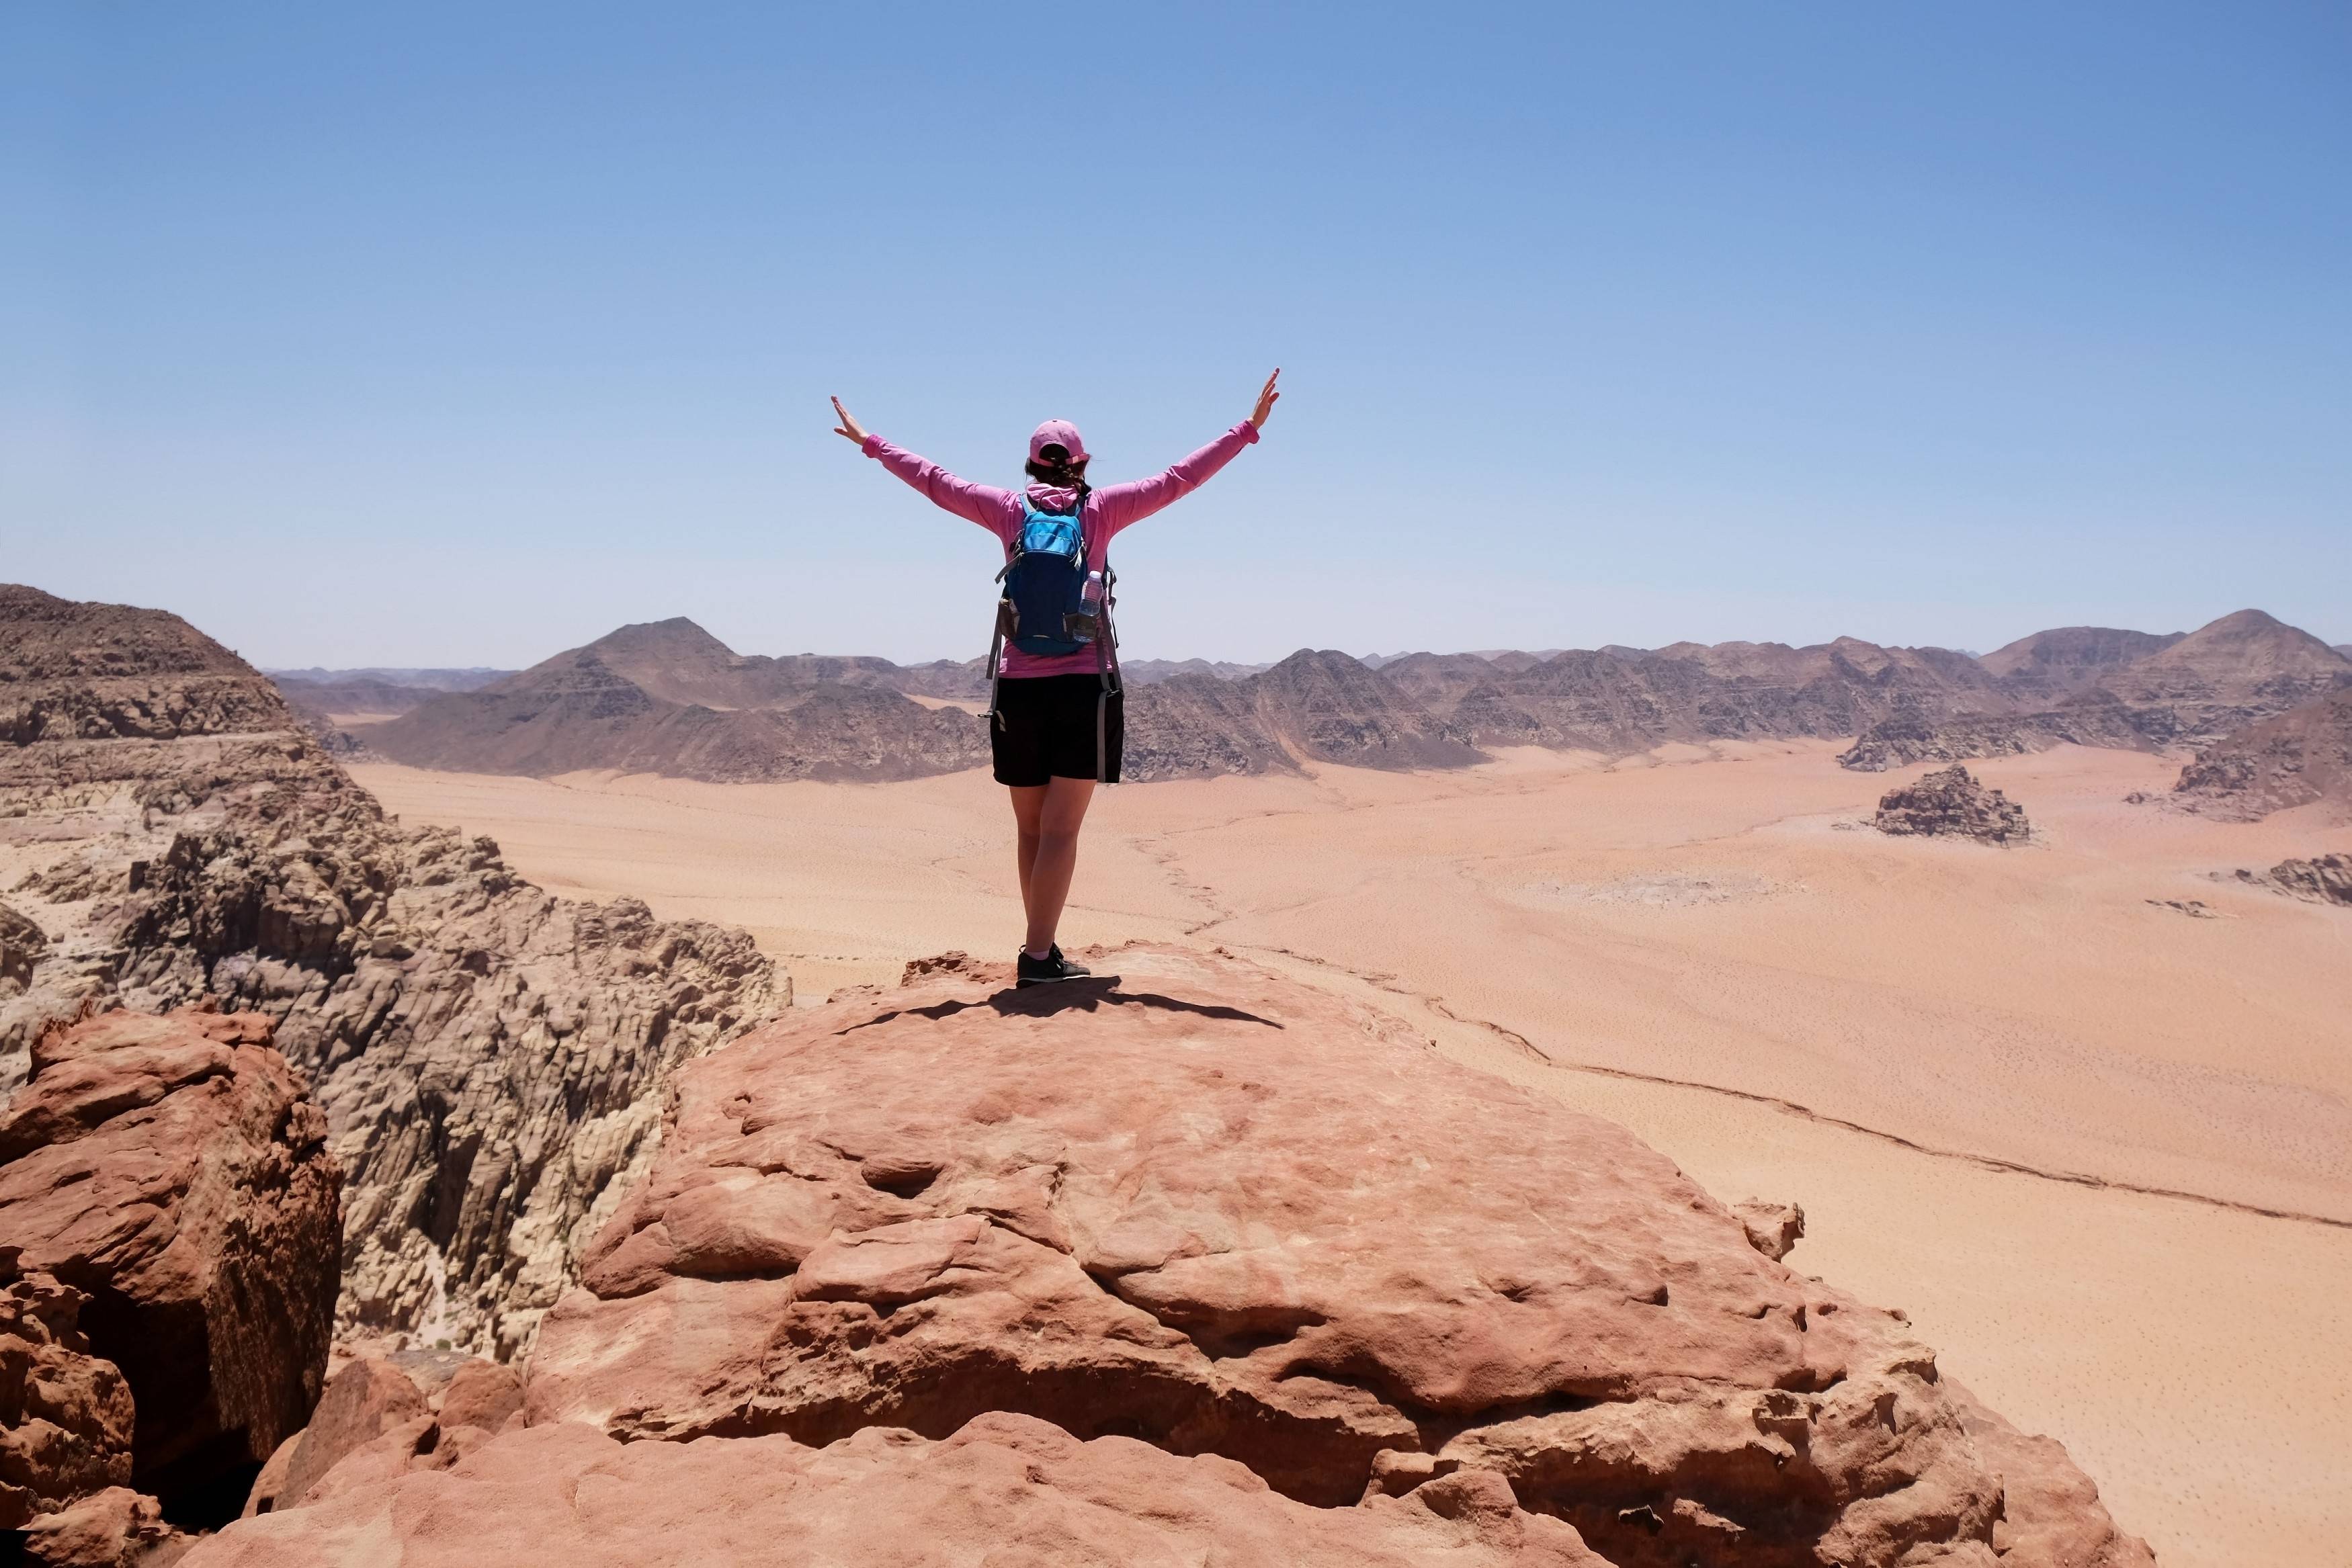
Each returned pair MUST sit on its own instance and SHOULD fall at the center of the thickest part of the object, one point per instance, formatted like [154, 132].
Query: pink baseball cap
[1058, 433]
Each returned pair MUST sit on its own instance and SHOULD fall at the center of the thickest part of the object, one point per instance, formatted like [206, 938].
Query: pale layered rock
[173, 1171]
[1951, 804]
[1006, 1490]
[491, 1059]
[1204, 1206]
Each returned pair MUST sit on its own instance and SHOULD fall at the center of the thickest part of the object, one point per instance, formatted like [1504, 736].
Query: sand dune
[1700, 943]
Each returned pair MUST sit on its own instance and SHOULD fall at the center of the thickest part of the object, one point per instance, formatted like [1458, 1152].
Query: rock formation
[491, 1059]
[173, 1173]
[1144, 672]
[2300, 757]
[667, 697]
[1005, 1490]
[2323, 879]
[1136, 1207]
[2085, 686]
[1952, 804]
[320, 695]
[66, 1419]
[1320, 707]
[2048, 665]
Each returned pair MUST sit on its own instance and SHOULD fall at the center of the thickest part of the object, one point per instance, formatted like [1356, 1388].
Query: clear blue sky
[425, 334]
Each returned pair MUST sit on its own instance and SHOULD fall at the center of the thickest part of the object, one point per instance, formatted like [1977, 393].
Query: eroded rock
[66, 1415]
[491, 1057]
[1207, 1207]
[1950, 803]
[1005, 1490]
[173, 1171]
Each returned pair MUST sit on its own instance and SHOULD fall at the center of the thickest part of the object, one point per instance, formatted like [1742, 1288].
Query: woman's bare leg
[1047, 817]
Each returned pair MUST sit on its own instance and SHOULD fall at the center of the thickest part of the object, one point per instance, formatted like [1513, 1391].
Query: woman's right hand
[1266, 398]
[849, 429]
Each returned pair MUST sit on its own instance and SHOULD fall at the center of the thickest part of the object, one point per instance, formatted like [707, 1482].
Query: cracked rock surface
[1950, 803]
[1007, 1491]
[1208, 1209]
[172, 1174]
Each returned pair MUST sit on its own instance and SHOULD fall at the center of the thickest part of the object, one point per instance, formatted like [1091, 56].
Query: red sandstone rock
[366, 1397]
[1228, 1214]
[64, 1414]
[483, 1394]
[1006, 1490]
[116, 1528]
[174, 1169]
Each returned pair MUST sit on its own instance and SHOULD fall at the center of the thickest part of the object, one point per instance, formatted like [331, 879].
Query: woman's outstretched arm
[994, 510]
[1138, 498]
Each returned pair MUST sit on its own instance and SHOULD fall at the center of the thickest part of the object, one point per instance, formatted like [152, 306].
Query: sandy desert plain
[2098, 1146]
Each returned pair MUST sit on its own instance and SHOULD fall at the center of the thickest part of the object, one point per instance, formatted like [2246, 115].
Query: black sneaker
[1028, 971]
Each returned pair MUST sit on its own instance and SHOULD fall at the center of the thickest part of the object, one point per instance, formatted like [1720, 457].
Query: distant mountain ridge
[668, 697]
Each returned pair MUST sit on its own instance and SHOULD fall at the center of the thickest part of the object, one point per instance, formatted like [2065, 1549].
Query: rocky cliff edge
[1191, 1264]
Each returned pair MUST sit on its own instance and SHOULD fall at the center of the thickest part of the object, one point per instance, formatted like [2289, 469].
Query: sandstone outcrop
[65, 1417]
[389, 1415]
[174, 1172]
[1006, 1491]
[2323, 879]
[2301, 756]
[116, 1528]
[1201, 1207]
[490, 1058]
[1952, 804]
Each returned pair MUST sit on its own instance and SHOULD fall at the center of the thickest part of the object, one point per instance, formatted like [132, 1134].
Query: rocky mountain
[2302, 756]
[491, 1059]
[1110, 1272]
[318, 693]
[667, 697]
[1321, 706]
[2051, 665]
[1144, 672]
[2083, 685]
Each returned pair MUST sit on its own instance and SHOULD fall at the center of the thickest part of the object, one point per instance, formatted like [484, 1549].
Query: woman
[1060, 719]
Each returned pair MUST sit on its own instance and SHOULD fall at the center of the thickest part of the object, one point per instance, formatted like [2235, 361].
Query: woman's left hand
[1266, 399]
[854, 431]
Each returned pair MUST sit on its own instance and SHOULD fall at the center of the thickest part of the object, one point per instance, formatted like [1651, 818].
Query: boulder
[1201, 1206]
[64, 1414]
[173, 1171]
[1950, 803]
[2323, 879]
[365, 1397]
[394, 1411]
[1008, 1490]
[116, 1528]
[1772, 1227]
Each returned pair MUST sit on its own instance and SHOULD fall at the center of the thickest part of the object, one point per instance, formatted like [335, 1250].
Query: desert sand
[2098, 1144]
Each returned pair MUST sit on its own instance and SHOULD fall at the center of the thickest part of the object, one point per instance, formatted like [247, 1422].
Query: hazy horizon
[457, 338]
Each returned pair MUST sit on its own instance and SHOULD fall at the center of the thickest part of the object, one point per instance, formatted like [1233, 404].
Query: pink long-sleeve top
[1108, 511]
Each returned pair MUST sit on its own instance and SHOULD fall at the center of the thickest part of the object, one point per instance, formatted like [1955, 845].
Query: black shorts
[1049, 729]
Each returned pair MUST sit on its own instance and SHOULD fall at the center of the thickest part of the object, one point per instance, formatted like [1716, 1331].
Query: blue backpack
[1049, 605]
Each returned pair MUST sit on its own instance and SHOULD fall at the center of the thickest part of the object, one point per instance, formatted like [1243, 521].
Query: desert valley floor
[2083, 1110]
